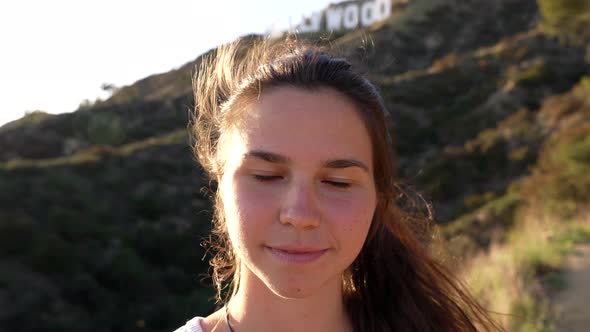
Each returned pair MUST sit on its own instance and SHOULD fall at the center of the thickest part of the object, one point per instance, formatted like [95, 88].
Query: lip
[296, 255]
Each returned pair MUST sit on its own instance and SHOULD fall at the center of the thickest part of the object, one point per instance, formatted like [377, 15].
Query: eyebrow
[280, 159]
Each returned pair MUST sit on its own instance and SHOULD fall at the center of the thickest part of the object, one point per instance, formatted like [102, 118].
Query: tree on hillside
[109, 87]
[566, 18]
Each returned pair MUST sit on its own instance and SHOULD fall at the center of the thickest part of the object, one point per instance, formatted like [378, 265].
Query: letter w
[334, 19]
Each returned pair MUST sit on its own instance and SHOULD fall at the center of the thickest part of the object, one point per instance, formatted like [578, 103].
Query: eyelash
[268, 178]
[342, 185]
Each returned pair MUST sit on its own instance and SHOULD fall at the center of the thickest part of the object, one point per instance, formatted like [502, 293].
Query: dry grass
[509, 278]
[97, 152]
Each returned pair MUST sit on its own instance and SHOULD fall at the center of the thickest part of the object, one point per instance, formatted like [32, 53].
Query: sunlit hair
[394, 284]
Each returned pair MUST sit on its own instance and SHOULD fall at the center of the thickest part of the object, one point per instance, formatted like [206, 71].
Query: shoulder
[211, 323]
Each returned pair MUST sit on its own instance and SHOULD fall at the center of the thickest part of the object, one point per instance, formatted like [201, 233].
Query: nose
[300, 207]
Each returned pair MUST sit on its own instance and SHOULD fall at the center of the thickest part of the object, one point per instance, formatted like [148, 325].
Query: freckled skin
[304, 203]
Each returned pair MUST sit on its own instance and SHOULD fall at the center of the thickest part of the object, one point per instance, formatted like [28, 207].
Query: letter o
[382, 9]
[351, 17]
[368, 12]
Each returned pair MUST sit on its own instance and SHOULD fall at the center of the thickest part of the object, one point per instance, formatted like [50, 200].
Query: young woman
[309, 231]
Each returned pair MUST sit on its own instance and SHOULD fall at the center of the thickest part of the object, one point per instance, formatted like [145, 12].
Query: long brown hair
[394, 284]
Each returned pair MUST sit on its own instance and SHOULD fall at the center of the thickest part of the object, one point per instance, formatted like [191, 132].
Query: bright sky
[57, 53]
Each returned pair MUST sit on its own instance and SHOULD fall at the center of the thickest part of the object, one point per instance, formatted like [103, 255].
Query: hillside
[102, 210]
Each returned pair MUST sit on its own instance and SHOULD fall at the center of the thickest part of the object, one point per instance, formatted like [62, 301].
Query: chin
[292, 291]
[299, 287]
[295, 283]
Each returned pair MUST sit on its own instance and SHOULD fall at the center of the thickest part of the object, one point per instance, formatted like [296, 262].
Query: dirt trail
[573, 304]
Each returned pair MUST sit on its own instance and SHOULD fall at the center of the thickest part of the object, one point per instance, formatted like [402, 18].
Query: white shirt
[193, 325]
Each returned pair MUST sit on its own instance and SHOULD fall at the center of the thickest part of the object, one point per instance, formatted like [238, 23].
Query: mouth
[296, 255]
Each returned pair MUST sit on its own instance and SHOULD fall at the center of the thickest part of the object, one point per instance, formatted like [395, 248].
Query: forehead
[305, 125]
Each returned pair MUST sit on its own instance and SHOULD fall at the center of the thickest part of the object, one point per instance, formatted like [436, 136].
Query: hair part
[394, 283]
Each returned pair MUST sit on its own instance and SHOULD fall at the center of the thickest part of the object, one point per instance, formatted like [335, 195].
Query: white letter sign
[333, 18]
[351, 15]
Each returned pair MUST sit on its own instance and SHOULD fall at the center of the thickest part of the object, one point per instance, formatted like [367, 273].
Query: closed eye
[338, 184]
[266, 178]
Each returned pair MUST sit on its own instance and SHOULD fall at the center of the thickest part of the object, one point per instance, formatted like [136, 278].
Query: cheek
[351, 216]
[248, 212]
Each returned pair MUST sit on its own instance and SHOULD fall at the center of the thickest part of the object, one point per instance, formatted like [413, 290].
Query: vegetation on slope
[520, 270]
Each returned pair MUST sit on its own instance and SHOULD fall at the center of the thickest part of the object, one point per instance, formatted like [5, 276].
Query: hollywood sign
[347, 16]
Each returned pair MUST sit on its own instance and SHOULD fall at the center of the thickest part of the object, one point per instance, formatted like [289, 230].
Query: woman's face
[297, 189]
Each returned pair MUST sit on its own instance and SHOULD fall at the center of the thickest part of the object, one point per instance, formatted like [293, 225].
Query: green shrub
[561, 179]
[51, 254]
[536, 73]
[530, 315]
[73, 226]
[16, 233]
[126, 271]
[104, 128]
[582, 90]
[30, 118]
[567, 18]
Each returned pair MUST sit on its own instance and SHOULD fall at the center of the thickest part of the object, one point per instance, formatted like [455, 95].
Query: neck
[256, 308]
